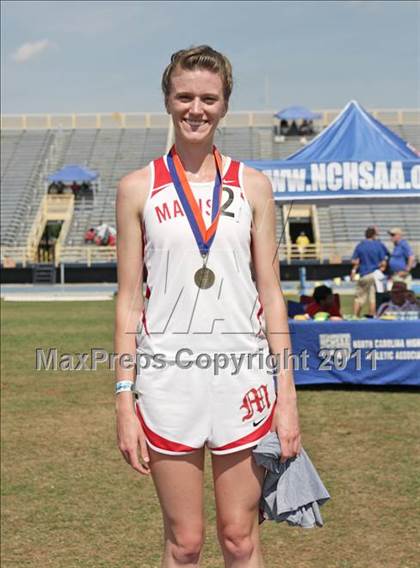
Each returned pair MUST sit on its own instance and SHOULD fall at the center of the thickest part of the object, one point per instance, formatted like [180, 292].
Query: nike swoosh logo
[256, 422]
[157, 189]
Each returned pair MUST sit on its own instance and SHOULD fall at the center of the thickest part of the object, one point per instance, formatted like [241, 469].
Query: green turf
[69, 500]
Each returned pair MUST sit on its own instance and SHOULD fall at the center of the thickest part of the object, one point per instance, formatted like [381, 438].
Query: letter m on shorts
[256, 399]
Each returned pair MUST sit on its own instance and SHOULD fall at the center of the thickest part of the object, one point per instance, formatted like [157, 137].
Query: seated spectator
[411, 297]
[89, 235]
[75, 187]
[112, 240]
[306, 127]
[399, 301]
[323, 301]
[293, 130]
[284, 127]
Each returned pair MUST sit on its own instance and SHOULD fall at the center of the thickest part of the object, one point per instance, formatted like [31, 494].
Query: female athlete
[203, 225]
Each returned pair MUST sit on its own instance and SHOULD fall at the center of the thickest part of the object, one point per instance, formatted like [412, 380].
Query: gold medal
[204, 278]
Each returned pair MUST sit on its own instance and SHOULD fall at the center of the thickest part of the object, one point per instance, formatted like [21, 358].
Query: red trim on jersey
[162, 175]
[160, 441]
[252, 437]
[231, 177]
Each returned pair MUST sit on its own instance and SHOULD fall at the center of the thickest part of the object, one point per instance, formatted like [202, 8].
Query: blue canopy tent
[75, 173]
[355, 156]
[297, 113]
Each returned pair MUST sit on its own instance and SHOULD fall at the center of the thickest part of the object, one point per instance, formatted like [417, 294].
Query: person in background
[399, 301]
[381, 276]
[323, 301]
[293, 129]
[411, 297]
[90, 235]
[75, 187]
[306, 127]
[302, 242]
[284, 127]
[376, 237]
[402, 258]
[368, 257]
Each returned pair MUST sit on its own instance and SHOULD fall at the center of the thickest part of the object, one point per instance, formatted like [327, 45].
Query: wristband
[123, 386]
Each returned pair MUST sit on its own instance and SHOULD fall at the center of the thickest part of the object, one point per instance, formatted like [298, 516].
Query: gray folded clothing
[293, 490]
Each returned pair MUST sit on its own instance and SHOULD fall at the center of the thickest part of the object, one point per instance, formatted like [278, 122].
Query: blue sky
[109, 56]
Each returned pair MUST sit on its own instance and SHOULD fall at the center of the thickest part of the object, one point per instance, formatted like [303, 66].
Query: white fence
[89, 254]
[239, 119]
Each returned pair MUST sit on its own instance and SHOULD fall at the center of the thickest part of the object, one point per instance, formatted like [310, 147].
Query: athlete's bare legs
[179, 485]
[238, 483]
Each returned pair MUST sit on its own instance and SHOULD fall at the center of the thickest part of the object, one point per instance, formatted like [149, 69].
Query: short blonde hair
[200, 57]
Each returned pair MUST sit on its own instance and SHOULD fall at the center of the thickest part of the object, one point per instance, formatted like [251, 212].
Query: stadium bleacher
[29, 155]
[347, 223]
[113, 153]
[24, 155]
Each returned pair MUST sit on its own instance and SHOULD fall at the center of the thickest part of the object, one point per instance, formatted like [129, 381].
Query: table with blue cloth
[368, 351]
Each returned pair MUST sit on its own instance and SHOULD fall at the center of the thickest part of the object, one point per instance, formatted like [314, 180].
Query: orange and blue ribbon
[203, 236]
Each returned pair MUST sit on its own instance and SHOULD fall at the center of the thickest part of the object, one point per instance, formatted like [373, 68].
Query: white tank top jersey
[228, 316]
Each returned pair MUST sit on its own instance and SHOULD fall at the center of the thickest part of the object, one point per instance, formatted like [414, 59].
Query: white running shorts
[181, 410]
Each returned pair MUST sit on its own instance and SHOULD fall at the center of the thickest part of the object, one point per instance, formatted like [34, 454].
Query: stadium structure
[113, 144]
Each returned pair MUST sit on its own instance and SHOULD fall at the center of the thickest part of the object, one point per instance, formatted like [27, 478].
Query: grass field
[69, 499]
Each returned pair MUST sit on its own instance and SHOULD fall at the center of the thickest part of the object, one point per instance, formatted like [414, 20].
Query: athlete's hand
[286, 424]
[130, 437]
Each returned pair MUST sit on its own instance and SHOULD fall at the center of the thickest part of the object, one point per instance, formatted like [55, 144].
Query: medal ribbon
[203, 236]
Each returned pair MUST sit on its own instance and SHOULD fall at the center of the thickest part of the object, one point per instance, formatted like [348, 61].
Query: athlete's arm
[355, 266]
[131, 196]
[267, 274]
